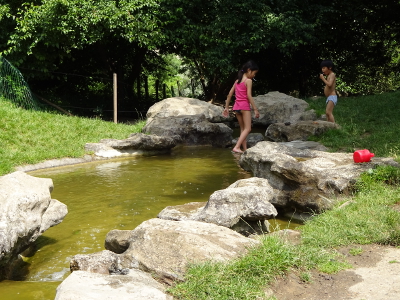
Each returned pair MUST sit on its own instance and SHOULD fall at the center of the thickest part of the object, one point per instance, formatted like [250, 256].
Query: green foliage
[75, 24]
[93, 39]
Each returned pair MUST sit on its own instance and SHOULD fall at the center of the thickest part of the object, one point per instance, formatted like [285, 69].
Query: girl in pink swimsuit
[242, 89]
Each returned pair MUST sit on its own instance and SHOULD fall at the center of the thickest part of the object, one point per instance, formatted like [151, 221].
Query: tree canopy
[288, 38]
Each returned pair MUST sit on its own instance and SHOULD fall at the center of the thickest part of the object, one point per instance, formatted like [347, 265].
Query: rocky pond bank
[288, 176]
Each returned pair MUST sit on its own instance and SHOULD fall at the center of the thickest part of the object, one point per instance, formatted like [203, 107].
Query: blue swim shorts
[332, 98]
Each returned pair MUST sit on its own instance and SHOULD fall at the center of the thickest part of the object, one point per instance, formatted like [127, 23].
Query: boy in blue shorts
[330, 88]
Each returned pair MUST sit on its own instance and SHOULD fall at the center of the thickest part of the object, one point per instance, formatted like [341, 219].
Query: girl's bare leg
[244, 120]
[329, 112]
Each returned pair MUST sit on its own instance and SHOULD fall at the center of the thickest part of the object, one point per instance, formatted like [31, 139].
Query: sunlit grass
[30, 137]
[367, 122]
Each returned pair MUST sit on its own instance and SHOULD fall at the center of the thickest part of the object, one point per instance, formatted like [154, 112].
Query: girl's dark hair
[249, 65]
[327, 63]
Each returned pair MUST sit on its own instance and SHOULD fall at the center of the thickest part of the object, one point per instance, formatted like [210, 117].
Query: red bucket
[361, 156]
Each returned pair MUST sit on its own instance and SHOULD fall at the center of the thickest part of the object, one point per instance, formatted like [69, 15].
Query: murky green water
[117, 194]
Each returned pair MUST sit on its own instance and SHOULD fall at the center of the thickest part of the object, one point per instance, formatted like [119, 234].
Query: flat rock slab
[302, 145]
[309, 180]
[135, 144]
[301, 130]
[138, 285]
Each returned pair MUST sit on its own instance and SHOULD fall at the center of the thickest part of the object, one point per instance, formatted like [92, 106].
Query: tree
[88, 38]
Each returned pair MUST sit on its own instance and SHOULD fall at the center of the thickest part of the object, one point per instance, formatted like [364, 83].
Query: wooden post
[115, 98]
[179, 88]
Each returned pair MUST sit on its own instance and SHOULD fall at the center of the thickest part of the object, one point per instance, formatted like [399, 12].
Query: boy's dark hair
[327, 63]
[249, 65]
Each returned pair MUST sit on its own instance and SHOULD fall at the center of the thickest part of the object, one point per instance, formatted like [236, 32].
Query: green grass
[29, 137]
[367, 122]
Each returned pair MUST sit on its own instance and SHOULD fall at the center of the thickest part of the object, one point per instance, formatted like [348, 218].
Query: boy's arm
[329, 81]
[249, 84]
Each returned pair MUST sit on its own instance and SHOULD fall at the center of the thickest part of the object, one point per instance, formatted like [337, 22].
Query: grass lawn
[29, 137]
[368, 122]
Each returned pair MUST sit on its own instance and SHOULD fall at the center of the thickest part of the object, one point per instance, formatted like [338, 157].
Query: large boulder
[138, 285]
[136, 143]
[182, 106]
[166, 248]
[300, 131]
[309, 180]
[244, 208]
[276, 107]
[191, 129]
[26, 211]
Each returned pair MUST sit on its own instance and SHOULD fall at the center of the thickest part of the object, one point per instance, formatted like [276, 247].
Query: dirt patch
[375, 276]
[396, 207]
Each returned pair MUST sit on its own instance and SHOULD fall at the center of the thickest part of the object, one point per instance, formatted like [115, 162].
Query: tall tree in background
[287, 38]
[90, 38]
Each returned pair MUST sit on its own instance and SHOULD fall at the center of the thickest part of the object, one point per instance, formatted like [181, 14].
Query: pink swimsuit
[241, 102]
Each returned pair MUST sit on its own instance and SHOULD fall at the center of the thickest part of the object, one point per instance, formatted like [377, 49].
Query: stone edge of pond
[52, 163]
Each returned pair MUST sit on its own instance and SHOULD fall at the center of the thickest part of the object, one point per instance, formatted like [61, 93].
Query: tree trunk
[157, 87]
[138, 93]
[146, 88]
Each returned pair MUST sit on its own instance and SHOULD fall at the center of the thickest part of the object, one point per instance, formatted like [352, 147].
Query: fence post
[115, 98]
[179, 89]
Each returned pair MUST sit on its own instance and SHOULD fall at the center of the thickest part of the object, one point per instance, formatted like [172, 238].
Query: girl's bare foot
[235, 150]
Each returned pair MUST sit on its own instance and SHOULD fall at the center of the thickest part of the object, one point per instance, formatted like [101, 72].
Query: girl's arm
[228, 100]
[249, 84]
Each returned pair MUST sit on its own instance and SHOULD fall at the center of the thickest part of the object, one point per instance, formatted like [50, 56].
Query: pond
[118, 194]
